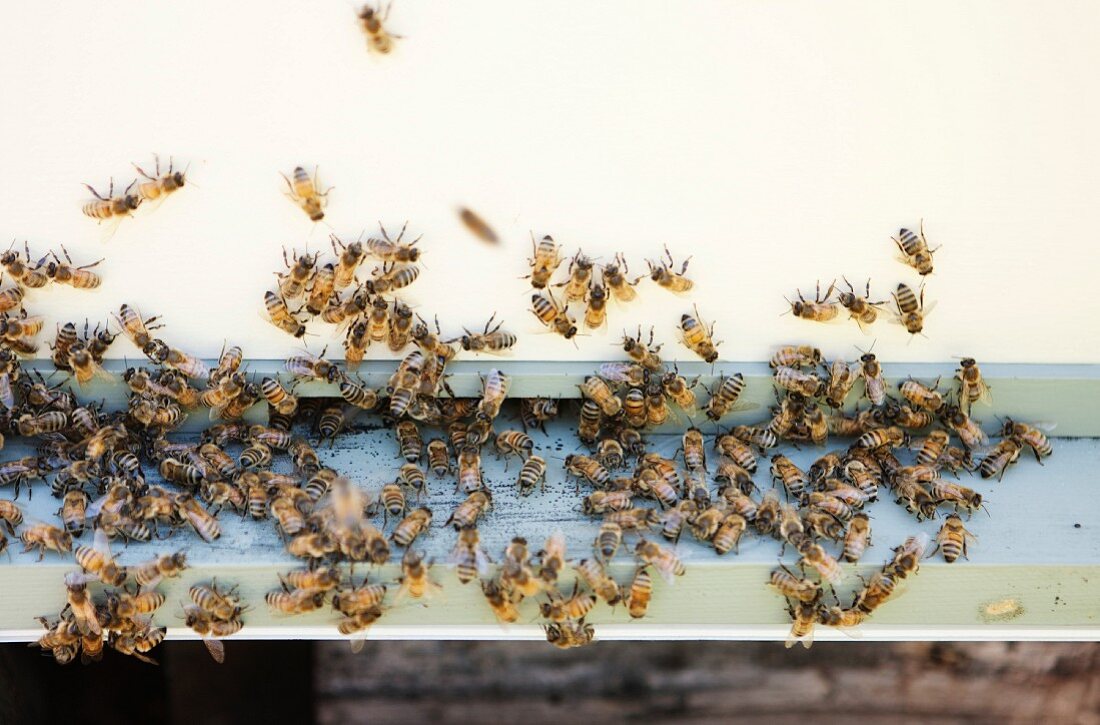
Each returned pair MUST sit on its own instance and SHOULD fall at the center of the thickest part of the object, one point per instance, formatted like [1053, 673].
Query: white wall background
[778, 142]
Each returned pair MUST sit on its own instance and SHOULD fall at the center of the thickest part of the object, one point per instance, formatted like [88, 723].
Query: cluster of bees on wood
[97, 459]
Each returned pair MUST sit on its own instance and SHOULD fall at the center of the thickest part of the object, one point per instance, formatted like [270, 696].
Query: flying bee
[723, 400]
[911, 310]
[595, 313]
[545, 259]
[953, 538]
[615, 278]
[860, 309]
[1031, 435]
[66, 273]
[997, 461]
[305, 192]
[784, 581]
[493, 341]
[468, 556]
[921, 396]
[644, 354]
[580, 276]
[556, 318]
[914, 250]
[478, 226]
[820, 310]
[372, 22]
[111, 206]
[858, 537]
[662, 273]
[667, 564]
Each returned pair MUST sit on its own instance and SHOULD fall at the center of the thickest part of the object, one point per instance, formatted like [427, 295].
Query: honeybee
[952, 538]
[545, 259]
[791, 476]
[415, 581]
[667, 564]
[875, 592]
[204, 524]
[391, 277]
[165, 565]
[816, 557]
[279, 398]
[468, 556]
[467, 513]
[12, 298]
[737, 450]
[306, 193]
[892, 437]
[657, 410]
[644, 354]
[921, 395]
[962, 425]
[662, 273]
[600, 502]
[842, 378]
[110, 206]
[1030, 435]
[22, 271]
[580, 276]
[371, 19]
[587, 468]
[293, 284]
[914, 250]
[997, 461]
[298, 601]
[911, 310]
[820, 310]
[309, 367]
[556, 318]
[907, 557]
[45, 537]
[559, 610]
[679, 390]
[803, 619]
[608, 539]
[494, 388]
[728, 535]
[595, 576]
[389, 250]
[798, 381]
[698, 338]
[695, 456]
[74, 509]
[477, 226]
[499, 601]
[97, 560]
[858, 537]
[594, 388]
[633, 519]
[207, 627]
[124, 605]
[972, 386]
[78, 277]
[595, 313]
[724, 399]
[469, 469]
[552, 557]
[11, 515]
[793, 587]
[569, 634]
[535, 412]
[621, 288]
[358, 395]
[796, 356]
[531, 474]
[635, 415]
[81, 605]
[906, 417]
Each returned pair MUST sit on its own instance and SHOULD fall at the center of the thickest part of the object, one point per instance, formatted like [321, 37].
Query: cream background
[778, 142]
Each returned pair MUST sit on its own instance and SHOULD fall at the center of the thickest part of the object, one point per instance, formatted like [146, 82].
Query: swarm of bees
[126, 474]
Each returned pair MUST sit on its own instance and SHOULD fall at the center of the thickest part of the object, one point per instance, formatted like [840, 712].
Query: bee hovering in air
[911, 309]
[860, 309]
[306, 193]
[698, 338]
[372, 21]
[478, 226]
[662, 273]
[820, 310]
[914, 250]
[159, 187]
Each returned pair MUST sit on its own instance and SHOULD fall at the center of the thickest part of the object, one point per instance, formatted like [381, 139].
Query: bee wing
[7, 397]
[95, 507]
[1044, 425]
[481, 560]
[928, 308]
[851, 632]
[357, 643]
[144, 658]
[806, 640]
[864, 327]
[216, 649]
[101, 542]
